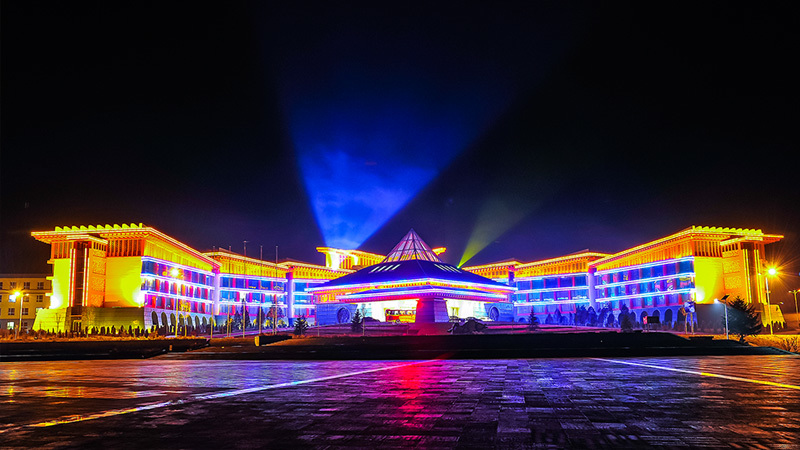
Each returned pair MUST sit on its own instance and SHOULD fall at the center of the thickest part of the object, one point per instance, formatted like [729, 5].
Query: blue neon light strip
[641, 266]
[418, 281]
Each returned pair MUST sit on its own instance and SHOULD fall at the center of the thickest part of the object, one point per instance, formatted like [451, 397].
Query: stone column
[290, 296]
[590, 281]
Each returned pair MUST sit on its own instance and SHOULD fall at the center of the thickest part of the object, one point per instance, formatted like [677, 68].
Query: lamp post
[771, 272]
[725, 304]
[796, 313]
[19, 295]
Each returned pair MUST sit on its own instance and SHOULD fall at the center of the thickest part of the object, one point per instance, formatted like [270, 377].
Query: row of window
[166, 270]
[13, 311]
[12, 299]
[552, 282]
[251, 283]
[25, 285]
[175, 288]
[248, 297]
[665, 285]
[635, 303]
[666, 269]
[181, 305]
[550, 296]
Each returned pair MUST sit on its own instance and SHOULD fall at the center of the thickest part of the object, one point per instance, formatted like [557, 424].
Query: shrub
[300, 326]
[743, 319]
[357, 322]
[533, 321]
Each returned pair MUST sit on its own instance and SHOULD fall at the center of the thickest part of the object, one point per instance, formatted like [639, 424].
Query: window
[1, 285]
[24, 311]
[40, 285]
[26, 285]
[12, 284]
[11, 311]
[39, 298]
[12, 299]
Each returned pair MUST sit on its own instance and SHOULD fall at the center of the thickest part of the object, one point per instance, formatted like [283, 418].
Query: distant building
[21, 297]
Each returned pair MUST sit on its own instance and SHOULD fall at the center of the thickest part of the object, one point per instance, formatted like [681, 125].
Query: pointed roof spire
[411, 247]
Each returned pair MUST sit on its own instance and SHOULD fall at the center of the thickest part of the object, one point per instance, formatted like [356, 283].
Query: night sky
[500, 130]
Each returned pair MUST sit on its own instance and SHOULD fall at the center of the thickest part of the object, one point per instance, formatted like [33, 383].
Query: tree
[592, 318]
[743, 319]
[609, 320]
[300, 326]
[357, 322]
[581, 315]
[533, 321]
[625, 322]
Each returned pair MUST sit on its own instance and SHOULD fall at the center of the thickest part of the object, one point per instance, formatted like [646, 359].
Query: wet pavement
[690, 402]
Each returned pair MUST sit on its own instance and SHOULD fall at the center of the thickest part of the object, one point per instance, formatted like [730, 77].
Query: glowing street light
[771, 272]
[19, 295]
[725, 297]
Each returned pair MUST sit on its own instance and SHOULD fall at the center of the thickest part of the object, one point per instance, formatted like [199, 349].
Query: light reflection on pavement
[576, 402]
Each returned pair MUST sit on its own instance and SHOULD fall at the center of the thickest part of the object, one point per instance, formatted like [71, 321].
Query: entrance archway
[668, 317]
[343, 315]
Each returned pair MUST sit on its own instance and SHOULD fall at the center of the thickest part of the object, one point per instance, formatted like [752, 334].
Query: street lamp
[771, 272]
[19, 295]
[725, 297]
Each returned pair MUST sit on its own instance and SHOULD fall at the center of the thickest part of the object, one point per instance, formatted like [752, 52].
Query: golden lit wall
[708, 279]
[60, 297]
[124, 282]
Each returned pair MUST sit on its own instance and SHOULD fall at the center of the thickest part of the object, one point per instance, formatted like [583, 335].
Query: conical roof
[411, 247]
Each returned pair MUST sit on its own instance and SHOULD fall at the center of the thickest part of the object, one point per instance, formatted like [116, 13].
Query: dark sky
[554, 127]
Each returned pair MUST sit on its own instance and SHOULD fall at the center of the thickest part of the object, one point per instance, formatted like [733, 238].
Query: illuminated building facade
[125, 275]
[699, 264]
[21, 297]
[136, 276]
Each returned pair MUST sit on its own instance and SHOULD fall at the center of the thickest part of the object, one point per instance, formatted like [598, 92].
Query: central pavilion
[410, 284]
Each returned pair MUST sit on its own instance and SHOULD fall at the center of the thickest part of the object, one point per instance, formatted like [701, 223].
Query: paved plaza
[710, 402]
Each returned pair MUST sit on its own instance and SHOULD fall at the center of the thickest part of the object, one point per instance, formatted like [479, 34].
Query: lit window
[26, 285]
[12, 284]
[40, 285]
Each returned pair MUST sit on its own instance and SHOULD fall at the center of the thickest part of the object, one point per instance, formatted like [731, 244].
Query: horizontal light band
[645, 265]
